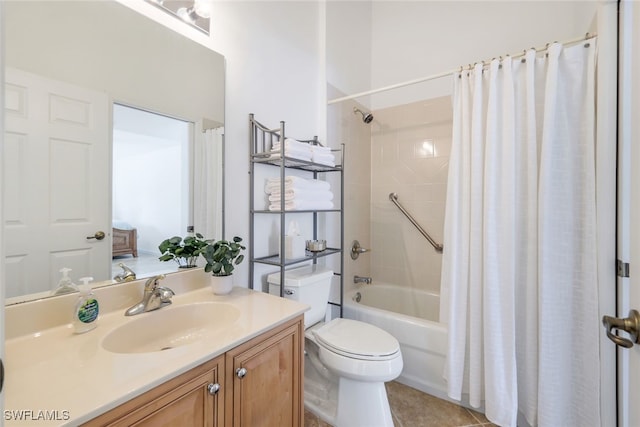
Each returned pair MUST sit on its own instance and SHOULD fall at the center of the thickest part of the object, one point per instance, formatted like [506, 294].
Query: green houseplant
[183, 251]
[222, 256]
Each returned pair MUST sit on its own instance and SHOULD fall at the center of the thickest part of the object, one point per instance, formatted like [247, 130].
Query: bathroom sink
[171, 327]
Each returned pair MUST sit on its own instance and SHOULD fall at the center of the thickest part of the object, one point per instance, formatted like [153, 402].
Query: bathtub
[412, 317]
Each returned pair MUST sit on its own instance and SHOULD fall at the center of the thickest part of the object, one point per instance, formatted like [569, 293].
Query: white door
[628, 290]
[57, 182]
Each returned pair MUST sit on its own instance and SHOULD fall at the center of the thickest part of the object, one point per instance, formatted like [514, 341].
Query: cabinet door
[184, 401]
[264, 379]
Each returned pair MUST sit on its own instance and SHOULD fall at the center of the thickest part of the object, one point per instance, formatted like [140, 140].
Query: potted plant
[222, 256]
[183, 251]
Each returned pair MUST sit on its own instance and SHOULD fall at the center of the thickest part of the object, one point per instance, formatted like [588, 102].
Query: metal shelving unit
[261, 140]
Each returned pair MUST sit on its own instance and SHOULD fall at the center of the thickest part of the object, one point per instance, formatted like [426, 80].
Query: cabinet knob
[241, 372]
[213, 388]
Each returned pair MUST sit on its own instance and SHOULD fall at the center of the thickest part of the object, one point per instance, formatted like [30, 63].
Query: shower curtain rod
[446, 73]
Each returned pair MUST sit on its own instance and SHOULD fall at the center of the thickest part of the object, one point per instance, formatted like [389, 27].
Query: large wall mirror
[114, 124]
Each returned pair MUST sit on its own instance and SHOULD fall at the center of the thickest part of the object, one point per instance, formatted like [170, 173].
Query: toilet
[351, 359]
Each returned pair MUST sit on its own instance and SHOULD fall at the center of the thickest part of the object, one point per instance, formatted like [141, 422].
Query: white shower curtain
[207, 201]
[519, 278]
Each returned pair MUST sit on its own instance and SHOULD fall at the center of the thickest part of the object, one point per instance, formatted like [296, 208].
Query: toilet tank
[309, 285]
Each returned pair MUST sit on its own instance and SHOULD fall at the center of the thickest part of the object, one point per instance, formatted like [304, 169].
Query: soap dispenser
[85, 314]
[65, 285]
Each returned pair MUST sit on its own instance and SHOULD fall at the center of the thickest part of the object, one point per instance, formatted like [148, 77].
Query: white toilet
[361, 357]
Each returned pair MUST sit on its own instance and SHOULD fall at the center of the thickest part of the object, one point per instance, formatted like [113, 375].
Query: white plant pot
[221, 285]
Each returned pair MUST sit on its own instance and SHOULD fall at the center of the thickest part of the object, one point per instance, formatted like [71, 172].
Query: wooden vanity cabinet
[267, 393]
[264, 379]
[181, 401]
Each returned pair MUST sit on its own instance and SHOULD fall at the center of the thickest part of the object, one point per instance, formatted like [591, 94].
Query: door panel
[633, 354]
[57, 143]
[629, 207]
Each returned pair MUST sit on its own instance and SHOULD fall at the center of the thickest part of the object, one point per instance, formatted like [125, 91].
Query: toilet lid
[357, 339]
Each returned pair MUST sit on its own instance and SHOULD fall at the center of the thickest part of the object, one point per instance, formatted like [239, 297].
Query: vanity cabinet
[258, 383]
[191, 399]
[264, 380]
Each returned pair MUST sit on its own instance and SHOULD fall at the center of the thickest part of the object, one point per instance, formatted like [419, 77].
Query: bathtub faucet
[362, 279]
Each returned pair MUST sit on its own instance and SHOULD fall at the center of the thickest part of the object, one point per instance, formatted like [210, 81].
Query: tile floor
[413, 408]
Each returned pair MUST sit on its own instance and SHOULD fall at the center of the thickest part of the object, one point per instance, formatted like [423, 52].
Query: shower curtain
[207, 203]
[519, 280]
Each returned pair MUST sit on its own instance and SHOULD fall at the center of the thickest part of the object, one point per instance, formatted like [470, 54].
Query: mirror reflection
[98, 100]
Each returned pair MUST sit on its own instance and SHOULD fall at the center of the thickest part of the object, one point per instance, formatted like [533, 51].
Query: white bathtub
[412, 317]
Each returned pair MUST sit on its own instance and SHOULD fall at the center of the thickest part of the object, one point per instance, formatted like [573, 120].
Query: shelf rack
[261, 141]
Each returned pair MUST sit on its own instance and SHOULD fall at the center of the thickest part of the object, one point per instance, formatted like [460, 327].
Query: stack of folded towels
[299, 194]
[303, 151]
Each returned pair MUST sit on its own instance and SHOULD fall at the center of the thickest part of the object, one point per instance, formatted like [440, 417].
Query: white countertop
[73, 378]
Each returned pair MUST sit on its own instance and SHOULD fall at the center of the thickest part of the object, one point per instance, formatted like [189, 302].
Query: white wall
[348, 46]
[275, 69]
[411, 40]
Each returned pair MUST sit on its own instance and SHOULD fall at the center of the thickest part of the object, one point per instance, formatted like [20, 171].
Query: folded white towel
[324, 159]
[292, 144]
[297, 194]
[295, 182]
[293, 153]
[300, 205]
[320, 149]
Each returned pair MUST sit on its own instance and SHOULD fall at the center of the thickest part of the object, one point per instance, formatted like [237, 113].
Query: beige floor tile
[412, 408]
[311, 420]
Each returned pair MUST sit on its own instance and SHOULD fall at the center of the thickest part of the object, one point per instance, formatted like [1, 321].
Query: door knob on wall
[630, 324]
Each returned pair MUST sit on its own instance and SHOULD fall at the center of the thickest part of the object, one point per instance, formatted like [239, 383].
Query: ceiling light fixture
[194, 12]
[188, 15]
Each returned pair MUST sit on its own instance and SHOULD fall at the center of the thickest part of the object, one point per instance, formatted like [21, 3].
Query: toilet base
[362, 404]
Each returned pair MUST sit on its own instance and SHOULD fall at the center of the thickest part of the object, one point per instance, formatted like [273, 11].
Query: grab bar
[394, 198]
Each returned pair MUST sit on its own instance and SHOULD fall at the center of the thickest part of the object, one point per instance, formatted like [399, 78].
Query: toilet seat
[357, 340]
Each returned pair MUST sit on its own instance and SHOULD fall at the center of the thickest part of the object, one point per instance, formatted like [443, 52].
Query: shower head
[366, 117]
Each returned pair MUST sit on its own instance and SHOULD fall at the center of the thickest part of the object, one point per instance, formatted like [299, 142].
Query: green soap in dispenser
[85, 314]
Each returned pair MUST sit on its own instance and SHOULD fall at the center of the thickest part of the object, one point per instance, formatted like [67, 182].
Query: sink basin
[171, 327]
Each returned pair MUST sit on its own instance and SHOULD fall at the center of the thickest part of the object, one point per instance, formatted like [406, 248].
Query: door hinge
[622, 268]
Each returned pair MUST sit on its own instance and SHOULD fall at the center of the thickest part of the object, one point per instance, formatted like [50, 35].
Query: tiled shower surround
[405, 150]
[410, 147]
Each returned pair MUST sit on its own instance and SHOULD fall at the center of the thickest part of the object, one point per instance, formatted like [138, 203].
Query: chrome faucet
[127, 274]
[362, 279]
[154, 297]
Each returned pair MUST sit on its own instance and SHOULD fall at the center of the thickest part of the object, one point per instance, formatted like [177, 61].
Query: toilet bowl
[361, 356]
[364, 357]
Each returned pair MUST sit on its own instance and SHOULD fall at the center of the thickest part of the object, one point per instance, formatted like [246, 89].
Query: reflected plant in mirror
[185, 251]
[72, 71]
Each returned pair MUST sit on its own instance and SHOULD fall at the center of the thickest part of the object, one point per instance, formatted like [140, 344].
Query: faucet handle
[127, 274]
[152, 283]
[165, 293]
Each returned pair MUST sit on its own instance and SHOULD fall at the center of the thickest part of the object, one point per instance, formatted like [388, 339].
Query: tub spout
[362, 279]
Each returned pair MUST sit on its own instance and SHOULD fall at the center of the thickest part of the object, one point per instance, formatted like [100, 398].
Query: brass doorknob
[98, 236]
[630, 324]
